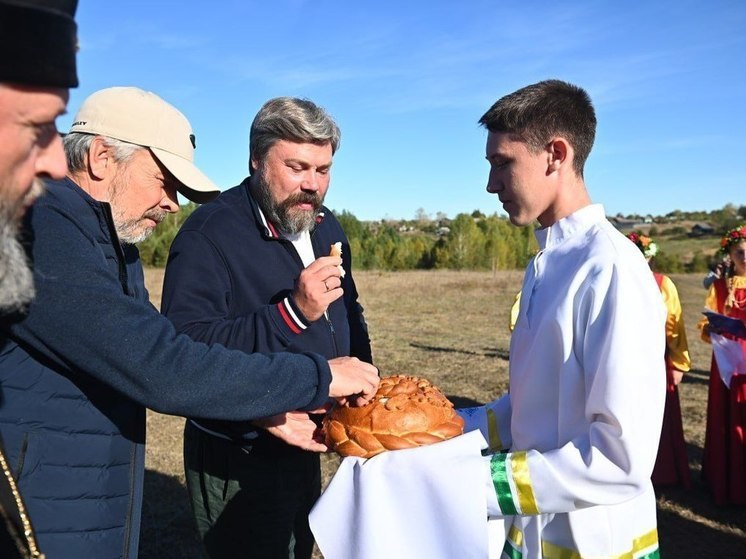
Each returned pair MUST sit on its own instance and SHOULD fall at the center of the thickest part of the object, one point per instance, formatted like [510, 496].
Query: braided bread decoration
[406, 412]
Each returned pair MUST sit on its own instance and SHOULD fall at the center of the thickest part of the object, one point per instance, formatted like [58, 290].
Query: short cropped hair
[537, 113]
[293, 120]
[77, 144]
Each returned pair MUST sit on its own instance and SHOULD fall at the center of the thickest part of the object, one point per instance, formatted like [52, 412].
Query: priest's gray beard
[16, 277]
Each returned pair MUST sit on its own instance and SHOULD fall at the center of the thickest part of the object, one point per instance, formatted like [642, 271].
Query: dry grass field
[451, 327]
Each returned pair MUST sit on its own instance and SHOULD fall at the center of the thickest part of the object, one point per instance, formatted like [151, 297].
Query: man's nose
[51, 159]
[493, 185]
[170, 200]
[311, 181]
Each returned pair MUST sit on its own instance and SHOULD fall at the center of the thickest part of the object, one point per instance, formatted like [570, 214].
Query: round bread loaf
[406, 412]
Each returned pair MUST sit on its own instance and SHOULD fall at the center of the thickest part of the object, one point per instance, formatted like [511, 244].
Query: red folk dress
[672, 463]
[724, 459]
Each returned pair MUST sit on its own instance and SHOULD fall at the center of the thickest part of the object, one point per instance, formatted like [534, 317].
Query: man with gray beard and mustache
[252, 271]
[91, 353]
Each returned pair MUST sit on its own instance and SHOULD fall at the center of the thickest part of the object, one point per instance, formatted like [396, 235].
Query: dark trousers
[248, 503]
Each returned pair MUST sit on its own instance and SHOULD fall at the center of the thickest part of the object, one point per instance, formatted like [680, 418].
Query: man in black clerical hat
[38, 42]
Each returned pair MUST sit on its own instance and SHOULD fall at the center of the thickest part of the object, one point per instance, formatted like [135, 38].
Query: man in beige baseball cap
[132, 149]
[141, 118]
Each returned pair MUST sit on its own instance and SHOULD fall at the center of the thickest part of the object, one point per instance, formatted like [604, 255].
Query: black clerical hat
[38, 42]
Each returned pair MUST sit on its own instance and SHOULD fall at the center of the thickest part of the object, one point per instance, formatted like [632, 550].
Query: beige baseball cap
[141, 117]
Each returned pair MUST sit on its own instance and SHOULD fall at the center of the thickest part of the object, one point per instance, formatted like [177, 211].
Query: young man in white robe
[574, 442]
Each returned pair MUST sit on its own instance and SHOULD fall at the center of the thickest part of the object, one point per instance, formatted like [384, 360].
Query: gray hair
[293, 120]
[77, 145]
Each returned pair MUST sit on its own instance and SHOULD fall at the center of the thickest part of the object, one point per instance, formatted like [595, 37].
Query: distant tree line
[728, 217]
[469, 241]
[473, 242]
[721, 221]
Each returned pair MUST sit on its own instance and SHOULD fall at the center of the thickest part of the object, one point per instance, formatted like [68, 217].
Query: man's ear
[560, 153]
[100, 158]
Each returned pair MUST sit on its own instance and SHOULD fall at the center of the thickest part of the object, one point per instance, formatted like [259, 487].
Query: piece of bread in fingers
[336, 250]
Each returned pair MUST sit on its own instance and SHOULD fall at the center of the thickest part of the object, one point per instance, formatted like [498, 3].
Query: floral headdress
[732, 237]
[645, 244]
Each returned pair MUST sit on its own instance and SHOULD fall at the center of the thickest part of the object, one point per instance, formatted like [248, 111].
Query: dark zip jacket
[229, 280]
[77, 372]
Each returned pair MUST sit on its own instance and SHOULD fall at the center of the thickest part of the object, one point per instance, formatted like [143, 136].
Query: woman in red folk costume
[671, 464]
[724, 460]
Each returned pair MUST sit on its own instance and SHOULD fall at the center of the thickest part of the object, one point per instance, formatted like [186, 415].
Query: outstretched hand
[296, 428]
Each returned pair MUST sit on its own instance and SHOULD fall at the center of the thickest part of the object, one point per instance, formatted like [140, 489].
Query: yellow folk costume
[672, 463]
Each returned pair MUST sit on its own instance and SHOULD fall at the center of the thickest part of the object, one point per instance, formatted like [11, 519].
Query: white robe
[580, 429]
[581, 423]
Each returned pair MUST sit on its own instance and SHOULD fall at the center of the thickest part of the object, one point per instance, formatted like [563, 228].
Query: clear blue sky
[408, 80]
